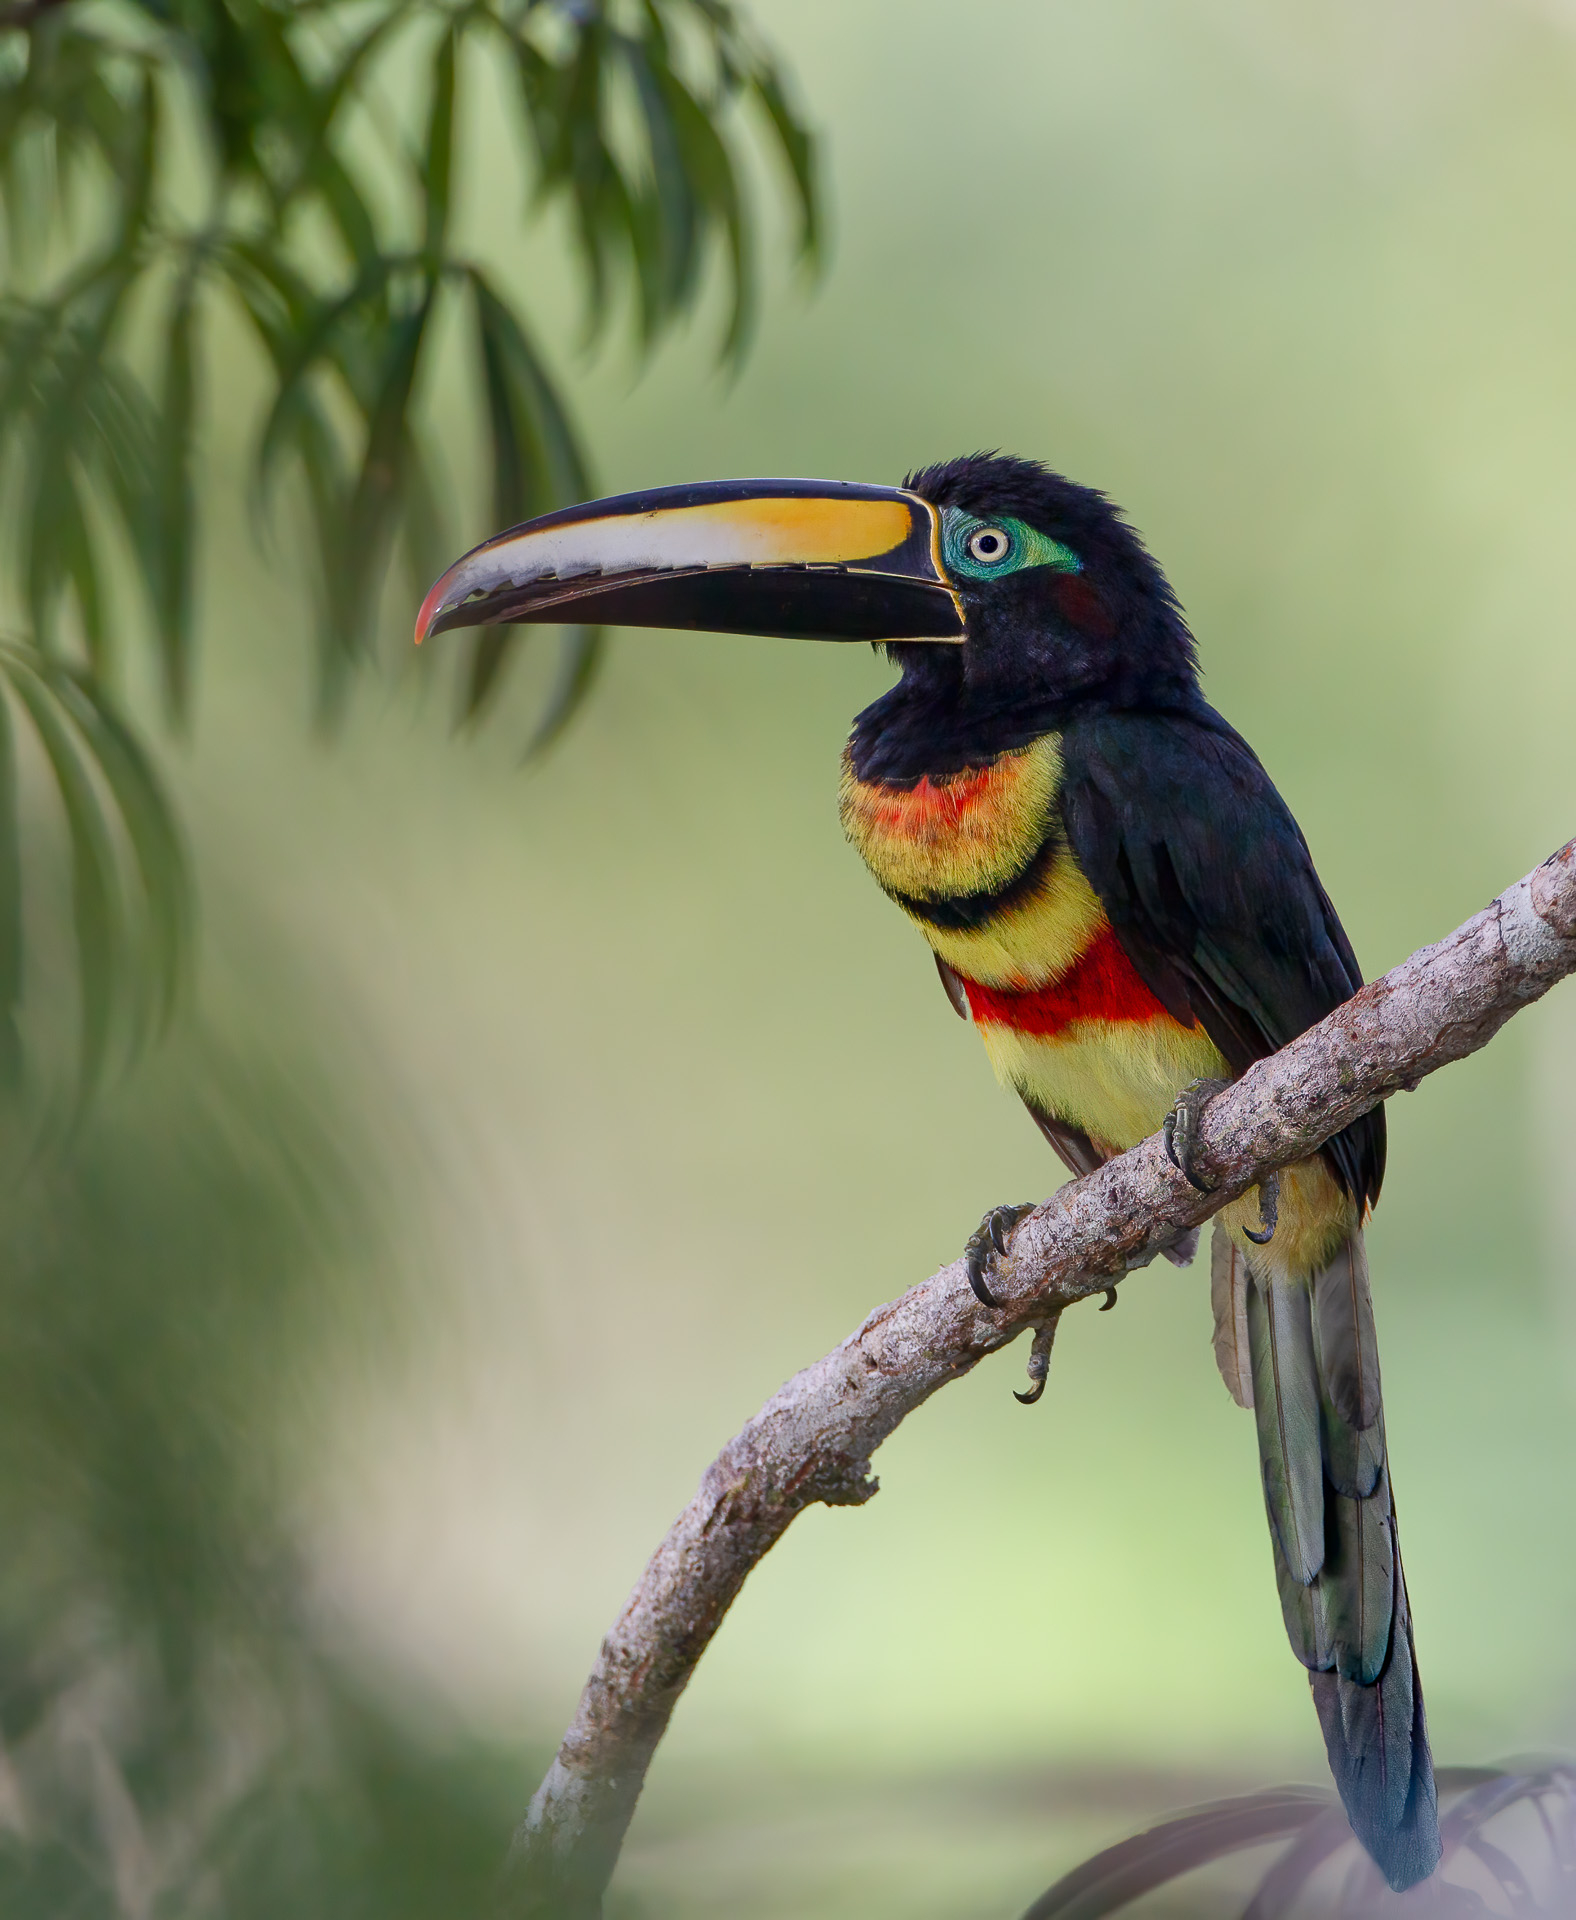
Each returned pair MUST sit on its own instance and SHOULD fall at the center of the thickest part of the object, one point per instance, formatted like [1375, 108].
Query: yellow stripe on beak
[804, 559]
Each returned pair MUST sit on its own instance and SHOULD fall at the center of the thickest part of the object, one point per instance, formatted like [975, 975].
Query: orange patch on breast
[966, 833]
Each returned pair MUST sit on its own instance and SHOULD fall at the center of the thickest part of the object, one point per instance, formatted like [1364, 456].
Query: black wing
[1209, 886]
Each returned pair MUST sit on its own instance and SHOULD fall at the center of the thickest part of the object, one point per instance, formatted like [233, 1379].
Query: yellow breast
[971, 832]
[980, 832]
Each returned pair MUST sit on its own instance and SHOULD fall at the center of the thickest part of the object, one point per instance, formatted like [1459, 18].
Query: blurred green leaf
[152, 834]
[101, 934]
[536, 464]
[171, 498]
[129, 890]
[798, 150]
[174, 1741]
[10, 909]
[437, 174]
[165, 161]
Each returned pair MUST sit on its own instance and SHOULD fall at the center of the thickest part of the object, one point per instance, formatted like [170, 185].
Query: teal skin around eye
[1027, 548]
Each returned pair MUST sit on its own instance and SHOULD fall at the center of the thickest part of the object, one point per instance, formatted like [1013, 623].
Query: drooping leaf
[437, 173]
[97, 921]
[798, 150]
[669, 215]
[130, 889]
[300, 342]
[172, 512]
[537, 465]
[715, 185]
[10, 908]
[537, 460]
[375, 499]
[298, 165]
[584, 649]
[152, 835]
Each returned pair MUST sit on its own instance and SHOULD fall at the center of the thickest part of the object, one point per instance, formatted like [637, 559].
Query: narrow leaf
[491, 650]
[297, 357]
[95, 907]
[798, 149]
[376, 497]
[713, 178]
[438, 169]
[10, 908]
[151, 832]
[584, 651]
[172, 502]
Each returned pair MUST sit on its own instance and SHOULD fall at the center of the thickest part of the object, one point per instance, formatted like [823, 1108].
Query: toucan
[1119, 900]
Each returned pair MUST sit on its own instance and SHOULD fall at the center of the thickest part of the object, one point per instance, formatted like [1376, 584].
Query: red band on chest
[1101, 984]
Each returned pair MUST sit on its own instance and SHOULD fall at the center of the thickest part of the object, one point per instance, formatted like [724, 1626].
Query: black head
[1020, 598]
[1066, 610]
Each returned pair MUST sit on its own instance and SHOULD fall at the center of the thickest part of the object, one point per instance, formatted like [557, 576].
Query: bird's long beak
[803, 559]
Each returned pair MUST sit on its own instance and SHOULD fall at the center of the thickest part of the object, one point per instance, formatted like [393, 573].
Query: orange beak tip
[429, 610]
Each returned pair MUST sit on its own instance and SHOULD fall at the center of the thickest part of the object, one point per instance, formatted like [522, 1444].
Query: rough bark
[813, 1440]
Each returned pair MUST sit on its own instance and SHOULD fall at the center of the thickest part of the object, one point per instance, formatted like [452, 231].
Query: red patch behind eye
[1101, 984]
[1082, 605]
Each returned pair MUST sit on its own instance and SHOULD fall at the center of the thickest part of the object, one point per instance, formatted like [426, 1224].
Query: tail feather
[1286, 1408]
[1359, 1584]
[1377, 1741]
[1354, 1458]
[1348, 1351]
[1228, 1292]
[1326, 1480]
[1347, 1360]
[1306, 1616]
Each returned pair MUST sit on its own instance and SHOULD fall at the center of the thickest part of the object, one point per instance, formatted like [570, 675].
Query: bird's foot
[1181, 1253]
[988, 1244]
[1179, 1130]
[1269, 1210]
[1039, 1360]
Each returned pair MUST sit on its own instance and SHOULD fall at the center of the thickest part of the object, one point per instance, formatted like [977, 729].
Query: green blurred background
[531, 1128]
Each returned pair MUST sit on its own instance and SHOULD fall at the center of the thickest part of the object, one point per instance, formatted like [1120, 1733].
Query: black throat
[1046, 644]
[935, 723]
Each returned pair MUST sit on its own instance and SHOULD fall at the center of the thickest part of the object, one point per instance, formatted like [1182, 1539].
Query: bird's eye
[988, 545]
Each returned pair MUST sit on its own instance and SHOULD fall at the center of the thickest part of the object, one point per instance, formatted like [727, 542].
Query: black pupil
[990, 545]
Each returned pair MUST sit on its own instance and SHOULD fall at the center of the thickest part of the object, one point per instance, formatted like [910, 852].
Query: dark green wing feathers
[1337, 1557]
[1209, 886]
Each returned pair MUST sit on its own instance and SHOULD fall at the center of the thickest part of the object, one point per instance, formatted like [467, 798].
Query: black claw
[982, 1293]
[1269, 1211]
[1110, 1300]
[987, 1244]
[1179, 1129]
[1039, 1361]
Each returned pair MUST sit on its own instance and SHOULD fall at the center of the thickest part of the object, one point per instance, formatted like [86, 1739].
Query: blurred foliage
[170, 167]
[171, 1742]
[128, 904]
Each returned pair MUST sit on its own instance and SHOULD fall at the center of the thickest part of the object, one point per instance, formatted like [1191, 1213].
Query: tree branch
[812, 1441]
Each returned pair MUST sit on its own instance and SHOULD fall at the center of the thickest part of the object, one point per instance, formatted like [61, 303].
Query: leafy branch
[171, 167]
